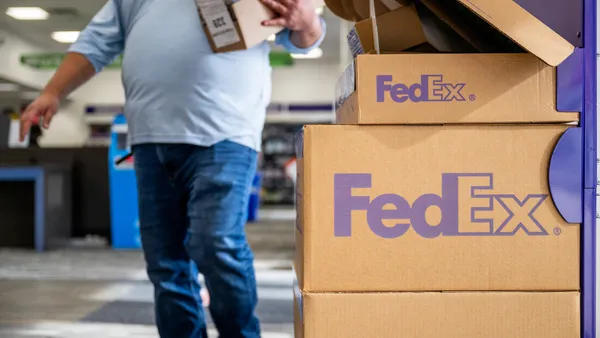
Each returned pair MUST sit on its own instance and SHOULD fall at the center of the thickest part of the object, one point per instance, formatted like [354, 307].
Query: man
[195, 119]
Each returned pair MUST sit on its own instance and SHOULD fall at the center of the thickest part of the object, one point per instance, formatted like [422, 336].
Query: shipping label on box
[451, 88]
[437, 315]
[433, 208]
[345, 86]
[219, 22]
[354, 43]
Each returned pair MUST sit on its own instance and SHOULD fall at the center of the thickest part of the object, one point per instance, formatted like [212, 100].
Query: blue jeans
[193, 206]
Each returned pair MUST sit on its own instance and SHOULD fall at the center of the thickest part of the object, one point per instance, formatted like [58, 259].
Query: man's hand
[300, 17]
[44, 107]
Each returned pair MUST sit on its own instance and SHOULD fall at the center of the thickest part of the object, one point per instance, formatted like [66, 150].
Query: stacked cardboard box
[427, 211]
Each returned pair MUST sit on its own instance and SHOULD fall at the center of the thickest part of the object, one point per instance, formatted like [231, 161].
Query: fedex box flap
[522, 27]
[431, 208]
[448, 88]
[438, 315]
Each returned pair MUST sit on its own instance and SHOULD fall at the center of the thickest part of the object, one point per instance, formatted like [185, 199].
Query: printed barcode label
[219, 22]
[356, 47]
[340, 91]
[345, 86]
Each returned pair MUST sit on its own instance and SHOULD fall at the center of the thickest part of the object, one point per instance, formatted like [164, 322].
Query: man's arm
[304, 29]
[97, 46]
[74, 71]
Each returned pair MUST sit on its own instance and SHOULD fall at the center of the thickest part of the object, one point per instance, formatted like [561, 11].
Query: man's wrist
[313, 27]
[49, 92]
[308, 36]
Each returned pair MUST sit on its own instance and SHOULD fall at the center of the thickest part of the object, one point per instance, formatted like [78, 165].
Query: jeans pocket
[235, 153]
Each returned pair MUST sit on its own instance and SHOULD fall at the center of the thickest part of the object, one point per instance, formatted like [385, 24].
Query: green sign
[51, 61]
[281, 59]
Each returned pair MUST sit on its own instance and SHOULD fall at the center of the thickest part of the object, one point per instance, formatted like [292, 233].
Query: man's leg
[163, 227]
[218, 183]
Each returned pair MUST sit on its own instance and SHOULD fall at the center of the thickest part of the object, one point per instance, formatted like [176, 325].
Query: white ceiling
[39, 32]
[73, 15]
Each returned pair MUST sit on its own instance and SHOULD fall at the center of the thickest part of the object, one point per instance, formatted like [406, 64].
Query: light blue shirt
[177, 90]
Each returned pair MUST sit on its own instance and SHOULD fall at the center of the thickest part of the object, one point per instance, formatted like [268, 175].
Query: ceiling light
[319, 11]
[314, 54]
[65, 37]
[271, 38]
[27, 13]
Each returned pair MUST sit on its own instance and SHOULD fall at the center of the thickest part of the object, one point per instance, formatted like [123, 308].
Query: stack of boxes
[432, 208]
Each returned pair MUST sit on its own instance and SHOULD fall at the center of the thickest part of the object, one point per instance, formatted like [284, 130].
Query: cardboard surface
[363, 10]
[335, 6]
[438, 315]
[249, 15]
[471, 27]
[405, 28]
[381, 6]
[405, 19]
[523, 28]
[448, 88]
[349, 9]
[431, 208]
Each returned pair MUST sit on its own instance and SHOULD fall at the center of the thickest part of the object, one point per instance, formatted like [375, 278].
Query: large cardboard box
[437, 315]
[448, 88]
[432, 208]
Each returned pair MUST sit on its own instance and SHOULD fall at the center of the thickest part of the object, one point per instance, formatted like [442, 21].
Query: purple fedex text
[432, 88]
[466, 203]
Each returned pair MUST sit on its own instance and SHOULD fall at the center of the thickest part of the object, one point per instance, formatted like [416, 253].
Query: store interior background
[84, 119]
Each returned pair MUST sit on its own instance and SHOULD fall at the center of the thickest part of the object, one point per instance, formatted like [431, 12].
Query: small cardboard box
[448, 88]
[437, 315]
[237, 26]
[404, 29]
[434, 208]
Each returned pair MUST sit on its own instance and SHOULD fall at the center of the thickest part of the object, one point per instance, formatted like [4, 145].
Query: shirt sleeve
[283, 39]
[103, 39]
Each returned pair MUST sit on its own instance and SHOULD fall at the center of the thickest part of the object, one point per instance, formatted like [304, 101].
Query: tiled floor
[93, 293]
[84, 330]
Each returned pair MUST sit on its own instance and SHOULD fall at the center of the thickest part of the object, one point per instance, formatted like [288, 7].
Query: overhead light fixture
[314, 54]
[271, 38]
[27, 13]
[319, 11]
[65, 37]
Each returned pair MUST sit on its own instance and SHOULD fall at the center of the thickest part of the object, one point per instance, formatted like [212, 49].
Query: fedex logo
[467, 205]
[431, 88]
